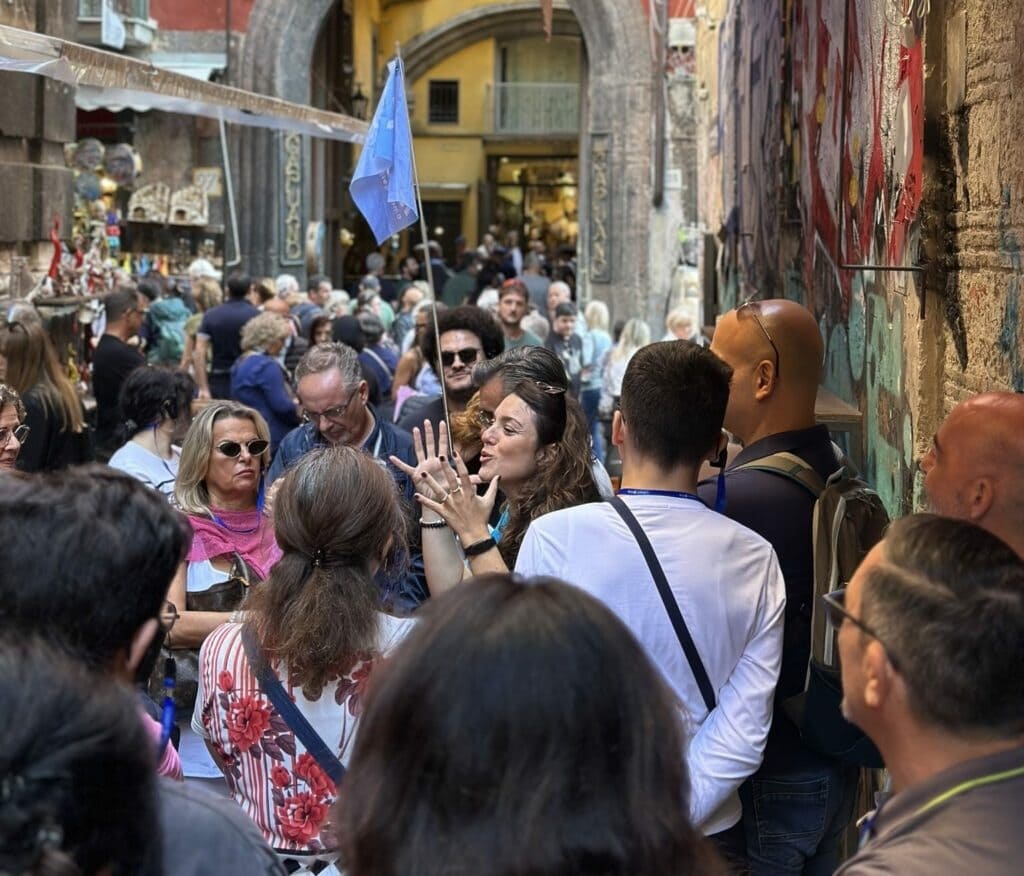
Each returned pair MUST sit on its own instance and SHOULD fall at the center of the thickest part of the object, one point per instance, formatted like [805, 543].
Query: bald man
[975, 467]
[797, 805]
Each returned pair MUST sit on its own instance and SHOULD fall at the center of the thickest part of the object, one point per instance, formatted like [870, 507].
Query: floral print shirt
[271, 776]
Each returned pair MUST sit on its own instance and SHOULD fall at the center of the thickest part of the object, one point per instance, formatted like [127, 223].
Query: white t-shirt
[729, 588]
[149, 468]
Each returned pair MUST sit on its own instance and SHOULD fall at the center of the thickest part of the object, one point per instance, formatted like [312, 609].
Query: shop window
[444, 101]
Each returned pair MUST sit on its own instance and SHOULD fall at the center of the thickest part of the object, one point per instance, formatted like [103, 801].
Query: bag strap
[790, 466]
[286, 708]
[671, 606]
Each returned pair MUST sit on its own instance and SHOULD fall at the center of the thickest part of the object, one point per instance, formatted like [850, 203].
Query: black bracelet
[480, 547]
[432, 524]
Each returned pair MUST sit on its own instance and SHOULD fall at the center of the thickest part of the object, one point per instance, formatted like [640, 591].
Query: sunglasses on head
[467, 356]
[232, 449]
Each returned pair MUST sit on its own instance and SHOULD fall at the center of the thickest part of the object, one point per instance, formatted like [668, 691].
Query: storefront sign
[293, 231]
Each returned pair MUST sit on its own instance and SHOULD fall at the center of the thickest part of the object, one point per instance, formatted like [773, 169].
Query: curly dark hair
[467, 318]
[563, 477]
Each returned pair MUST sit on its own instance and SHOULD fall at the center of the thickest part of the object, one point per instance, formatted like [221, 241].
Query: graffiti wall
[821, 130]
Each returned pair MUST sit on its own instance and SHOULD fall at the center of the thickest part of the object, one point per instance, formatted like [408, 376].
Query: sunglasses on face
[467, 356]
[20, 433]
[232, 449]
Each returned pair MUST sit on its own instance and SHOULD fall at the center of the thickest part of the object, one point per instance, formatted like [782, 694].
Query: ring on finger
[458, 489]
[447, 496]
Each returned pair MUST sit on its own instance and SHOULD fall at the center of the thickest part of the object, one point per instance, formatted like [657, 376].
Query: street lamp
[360, 102]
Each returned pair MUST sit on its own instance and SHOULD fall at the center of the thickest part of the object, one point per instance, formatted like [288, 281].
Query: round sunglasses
[232, 449]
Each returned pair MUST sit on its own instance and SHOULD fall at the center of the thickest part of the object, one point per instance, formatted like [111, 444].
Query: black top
[780, 511]
[49, 446]
[223, 326]
[112, 362]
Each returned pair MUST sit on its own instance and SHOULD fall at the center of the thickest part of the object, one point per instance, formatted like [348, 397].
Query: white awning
[115, 81]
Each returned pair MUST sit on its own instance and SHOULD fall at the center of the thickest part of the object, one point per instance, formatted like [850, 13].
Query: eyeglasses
[749, 304]
[232, 449]
[332, 415]
[20, 434]
[467, 356]
[836, 613]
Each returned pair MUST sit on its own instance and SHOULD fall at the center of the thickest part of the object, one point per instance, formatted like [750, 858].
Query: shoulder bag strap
[789, 466]
[286, 708]
[671, 606]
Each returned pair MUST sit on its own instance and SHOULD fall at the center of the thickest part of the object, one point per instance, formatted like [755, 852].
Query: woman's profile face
[511, 447]
[227, 476]
[323, 334]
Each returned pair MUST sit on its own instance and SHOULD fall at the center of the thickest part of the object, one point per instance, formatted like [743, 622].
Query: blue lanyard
[672, 494]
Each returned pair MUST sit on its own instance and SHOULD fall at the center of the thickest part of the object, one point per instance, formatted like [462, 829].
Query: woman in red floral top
[337, 520]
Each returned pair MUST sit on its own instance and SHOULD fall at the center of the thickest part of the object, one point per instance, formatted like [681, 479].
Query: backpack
[848, 520]
[168, 316]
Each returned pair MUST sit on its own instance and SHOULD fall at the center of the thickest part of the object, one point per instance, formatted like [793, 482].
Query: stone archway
[617, 216]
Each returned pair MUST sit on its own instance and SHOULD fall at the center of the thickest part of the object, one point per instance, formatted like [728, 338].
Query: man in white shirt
[724, 578]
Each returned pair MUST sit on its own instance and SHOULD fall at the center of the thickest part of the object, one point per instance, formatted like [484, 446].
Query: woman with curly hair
[536, 448]
[260, 381]
[315, 622]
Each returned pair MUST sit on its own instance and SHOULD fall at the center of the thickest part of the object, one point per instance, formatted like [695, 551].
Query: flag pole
[429, 269]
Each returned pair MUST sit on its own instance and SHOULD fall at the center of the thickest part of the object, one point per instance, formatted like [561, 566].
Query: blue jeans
[795, 822]
[590, 400]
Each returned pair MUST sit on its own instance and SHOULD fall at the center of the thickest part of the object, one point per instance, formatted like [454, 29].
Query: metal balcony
[536, 108]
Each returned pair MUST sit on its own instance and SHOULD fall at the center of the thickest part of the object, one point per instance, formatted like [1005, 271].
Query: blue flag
[382, 185]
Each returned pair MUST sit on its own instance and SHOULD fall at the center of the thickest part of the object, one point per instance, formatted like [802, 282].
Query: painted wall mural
[821, 124]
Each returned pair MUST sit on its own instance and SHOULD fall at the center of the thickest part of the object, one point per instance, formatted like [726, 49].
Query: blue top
[600, 345]
[259, 380]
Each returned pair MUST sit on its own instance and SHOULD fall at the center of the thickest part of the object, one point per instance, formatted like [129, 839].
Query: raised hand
[454, 498]
[431, 460]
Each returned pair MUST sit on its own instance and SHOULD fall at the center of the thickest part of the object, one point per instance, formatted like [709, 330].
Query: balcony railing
[536, 107]
[125, 8]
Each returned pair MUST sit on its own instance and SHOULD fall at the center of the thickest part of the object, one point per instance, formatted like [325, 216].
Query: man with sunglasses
[798, 804]
[468, 335]
[98, 591]
[12, 431]
[931, 642]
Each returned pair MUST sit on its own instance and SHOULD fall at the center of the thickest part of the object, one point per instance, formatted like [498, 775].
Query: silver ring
[458, 489]
[447, 496]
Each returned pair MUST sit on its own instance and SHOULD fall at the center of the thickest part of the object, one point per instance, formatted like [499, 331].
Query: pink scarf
[247, 533]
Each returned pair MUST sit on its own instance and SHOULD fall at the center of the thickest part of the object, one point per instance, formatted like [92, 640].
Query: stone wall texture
[852, 138]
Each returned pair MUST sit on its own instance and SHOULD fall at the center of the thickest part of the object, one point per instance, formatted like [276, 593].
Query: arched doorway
[615, 144]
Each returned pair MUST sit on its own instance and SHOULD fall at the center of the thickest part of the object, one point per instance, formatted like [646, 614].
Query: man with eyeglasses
[468, 335]
[334, 399]
[931, 642]
[12, 431]
[797, 806]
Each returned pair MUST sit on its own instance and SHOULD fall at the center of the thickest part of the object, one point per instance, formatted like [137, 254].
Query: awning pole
[229, 191]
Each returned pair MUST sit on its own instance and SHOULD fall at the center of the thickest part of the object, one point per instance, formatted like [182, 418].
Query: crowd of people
[314, 615]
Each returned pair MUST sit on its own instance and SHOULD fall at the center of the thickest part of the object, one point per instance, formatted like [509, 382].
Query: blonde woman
[53, 410]
[635, 334]
[597, 346]
[219, 488]
[258, 378]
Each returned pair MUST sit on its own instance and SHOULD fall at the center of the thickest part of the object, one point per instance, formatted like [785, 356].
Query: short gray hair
[324, 357]
[374, 262]
[947, 598]
[261, 331]
[286, 284]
